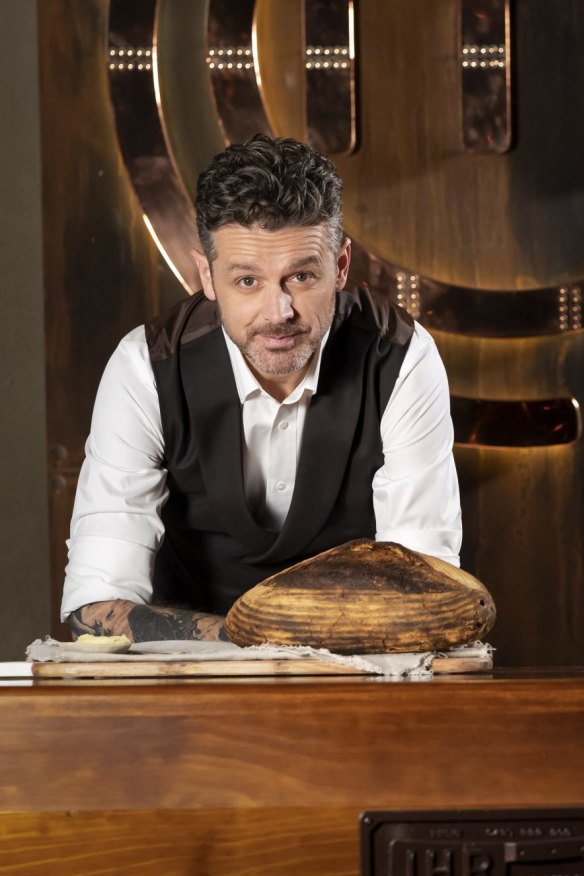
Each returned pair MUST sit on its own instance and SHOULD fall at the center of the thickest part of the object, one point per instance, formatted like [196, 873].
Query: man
[264, 420]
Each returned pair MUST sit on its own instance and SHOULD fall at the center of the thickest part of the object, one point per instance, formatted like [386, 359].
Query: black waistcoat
[214, 550]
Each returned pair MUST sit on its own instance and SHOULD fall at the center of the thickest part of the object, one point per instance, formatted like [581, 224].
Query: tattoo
[100, 618]
[151, 624]
[146, 623]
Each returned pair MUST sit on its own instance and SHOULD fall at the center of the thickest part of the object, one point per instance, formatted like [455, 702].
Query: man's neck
[279, 386]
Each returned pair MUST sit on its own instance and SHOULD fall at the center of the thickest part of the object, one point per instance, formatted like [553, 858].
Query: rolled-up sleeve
[116, 528]
[415, 493]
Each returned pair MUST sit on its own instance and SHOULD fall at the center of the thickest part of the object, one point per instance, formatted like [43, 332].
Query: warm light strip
[484, 64]
[578, 411]
[408, 293]
[351, 15]
[481, 57]
[130, 59]
[483, 50]
[130, 53]
[327, 57]
[156, 80]
[327, 65]
[230, 53]
[255, 53]
[214, 64]
[164, 253]
[570, 308]
[232, 58]
[332, 51]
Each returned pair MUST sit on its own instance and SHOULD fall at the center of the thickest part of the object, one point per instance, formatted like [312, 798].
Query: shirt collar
[247, 384]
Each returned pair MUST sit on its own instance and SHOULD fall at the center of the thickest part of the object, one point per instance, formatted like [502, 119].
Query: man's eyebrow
[238, 266]
[308, 262]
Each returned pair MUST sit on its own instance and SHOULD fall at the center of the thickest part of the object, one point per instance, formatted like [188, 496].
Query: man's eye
[247, 282]
[302, 276]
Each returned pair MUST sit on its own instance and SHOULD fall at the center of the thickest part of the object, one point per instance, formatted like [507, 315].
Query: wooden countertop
[298, 758]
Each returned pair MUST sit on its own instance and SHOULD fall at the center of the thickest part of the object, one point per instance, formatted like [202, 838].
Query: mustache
[280, 331]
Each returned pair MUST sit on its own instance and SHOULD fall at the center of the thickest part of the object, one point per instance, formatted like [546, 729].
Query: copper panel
[485, 58]
[523, 506]
[522, 519]
[133, 73]
[478, 312]
[280, 45]
[501, 314]
[329, 29]
[232, 69]
[414, 196]
[192, 129]
[532, 423]
[230, 60]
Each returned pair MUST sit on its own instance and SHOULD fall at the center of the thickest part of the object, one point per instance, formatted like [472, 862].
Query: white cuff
[101, 569]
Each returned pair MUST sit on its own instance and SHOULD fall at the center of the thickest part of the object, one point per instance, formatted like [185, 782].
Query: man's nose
[277, 305]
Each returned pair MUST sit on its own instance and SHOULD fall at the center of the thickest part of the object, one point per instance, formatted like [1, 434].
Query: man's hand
[145, 623]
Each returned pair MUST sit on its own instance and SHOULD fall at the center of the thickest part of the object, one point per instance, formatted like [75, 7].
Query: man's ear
[205, 273]
[343, 262]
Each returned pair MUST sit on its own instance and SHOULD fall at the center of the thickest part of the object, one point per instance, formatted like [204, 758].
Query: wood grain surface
[262, 842]
[239, 668]
[193, 668]
[268, 776]
[226, 744]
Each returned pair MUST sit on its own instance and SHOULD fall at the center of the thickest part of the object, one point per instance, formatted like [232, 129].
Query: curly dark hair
[274, 183]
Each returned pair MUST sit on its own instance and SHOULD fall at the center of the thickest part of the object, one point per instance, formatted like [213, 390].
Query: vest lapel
[328, 436]
[215, 415]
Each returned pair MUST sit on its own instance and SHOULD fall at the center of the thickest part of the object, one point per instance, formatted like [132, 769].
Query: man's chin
[279, 362]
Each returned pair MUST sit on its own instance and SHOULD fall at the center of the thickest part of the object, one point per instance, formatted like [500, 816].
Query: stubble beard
[283, 361]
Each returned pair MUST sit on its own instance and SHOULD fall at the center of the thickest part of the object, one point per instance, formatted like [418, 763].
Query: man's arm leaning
[116, 527]
[415, 493]
[145, 623]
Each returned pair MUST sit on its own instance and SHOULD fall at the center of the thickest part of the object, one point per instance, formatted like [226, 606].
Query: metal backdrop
[464, 198]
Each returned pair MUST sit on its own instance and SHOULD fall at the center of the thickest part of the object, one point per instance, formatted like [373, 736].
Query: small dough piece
[98, 644]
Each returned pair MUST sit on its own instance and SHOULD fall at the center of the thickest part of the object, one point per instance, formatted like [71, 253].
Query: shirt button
[284, 425]
[280, 486]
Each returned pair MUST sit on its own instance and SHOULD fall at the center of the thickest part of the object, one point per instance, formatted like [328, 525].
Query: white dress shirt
[116, 527]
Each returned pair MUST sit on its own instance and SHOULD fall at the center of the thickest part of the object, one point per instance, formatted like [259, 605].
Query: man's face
[276, 294]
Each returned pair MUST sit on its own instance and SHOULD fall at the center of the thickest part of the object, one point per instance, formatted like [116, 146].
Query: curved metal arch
[133, 75]
[234, 77]
[235, 81]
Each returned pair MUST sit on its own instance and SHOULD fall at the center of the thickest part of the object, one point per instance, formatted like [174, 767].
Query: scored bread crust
[365, 597]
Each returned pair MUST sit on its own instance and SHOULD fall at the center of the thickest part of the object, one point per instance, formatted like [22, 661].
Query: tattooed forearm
[145, 623]
[149, 623]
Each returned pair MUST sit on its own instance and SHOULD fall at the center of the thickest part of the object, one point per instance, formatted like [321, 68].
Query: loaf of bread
[365, 597]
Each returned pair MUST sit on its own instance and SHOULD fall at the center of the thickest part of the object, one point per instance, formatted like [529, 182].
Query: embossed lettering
[444, 833]
[499, 832]
[558, 832]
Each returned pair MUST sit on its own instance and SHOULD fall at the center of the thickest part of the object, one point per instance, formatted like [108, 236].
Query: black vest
[214, 550]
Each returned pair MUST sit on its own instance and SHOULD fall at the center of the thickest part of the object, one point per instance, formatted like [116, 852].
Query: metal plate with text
[489, 842]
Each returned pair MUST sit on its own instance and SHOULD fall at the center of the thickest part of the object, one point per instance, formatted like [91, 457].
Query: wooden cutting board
[237, 668]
